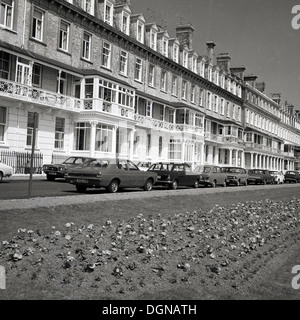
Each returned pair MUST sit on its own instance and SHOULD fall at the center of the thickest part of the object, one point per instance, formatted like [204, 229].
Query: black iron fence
[20, 161]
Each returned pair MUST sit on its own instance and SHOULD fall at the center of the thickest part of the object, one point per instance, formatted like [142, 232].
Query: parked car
[5, 170]
[258, 176]
[143, 165]
[111, 174]
[174, 175]
[278, 176]
[292, 176]
[211, 176]
[235, 175]
[54, 171]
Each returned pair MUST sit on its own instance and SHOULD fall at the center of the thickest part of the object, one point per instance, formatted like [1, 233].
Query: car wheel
[148, 185]
[174, 185]
[113, 187]
[1, 176]
[81, 189]
[196, 184]
[50, 178]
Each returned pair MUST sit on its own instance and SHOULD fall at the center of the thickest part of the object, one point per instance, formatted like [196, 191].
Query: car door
[219, 175]
[178, 173]
[137, 177]
[189, 177]
[124, 175]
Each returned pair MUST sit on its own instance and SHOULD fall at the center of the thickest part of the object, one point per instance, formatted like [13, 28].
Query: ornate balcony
[108, 108]
[151, 123]
[29, 94]
[222, 139]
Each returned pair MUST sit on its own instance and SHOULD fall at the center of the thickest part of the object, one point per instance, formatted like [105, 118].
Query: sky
[257, 34]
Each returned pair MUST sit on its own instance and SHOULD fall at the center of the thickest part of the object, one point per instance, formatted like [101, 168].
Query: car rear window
[161, 167]
[97, 163]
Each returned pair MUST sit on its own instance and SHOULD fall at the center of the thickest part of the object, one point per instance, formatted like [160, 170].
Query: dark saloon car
[211, 176]
[111, 174]
[292, 176]
[258, 176]
[174, 175]
[236, 176]
[54, 171]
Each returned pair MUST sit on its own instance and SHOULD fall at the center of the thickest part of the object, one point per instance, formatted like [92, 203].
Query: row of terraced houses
[102, 81]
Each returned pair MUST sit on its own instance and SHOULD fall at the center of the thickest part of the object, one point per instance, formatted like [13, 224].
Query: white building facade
[104, 82]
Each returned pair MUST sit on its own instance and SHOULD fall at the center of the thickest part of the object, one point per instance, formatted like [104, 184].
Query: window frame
[124, 63]
[3, 124]
[5, 15]
[59, 135]
[86, 45]
[163, 80]
[34, 25]
[151, 77]
[138, 63]
[106, 55]
[61, 35]
[108, 4]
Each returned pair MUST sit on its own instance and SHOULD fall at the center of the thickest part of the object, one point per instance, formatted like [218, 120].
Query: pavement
[26, 177]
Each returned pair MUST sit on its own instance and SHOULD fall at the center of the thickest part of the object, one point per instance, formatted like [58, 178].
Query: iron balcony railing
[164, 125]
[38, 96]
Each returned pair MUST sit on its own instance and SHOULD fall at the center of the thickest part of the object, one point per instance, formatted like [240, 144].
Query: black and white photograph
[149, 153]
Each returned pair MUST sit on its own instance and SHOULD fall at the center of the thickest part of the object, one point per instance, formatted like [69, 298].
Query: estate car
[174, 175]
[111, 174]
[236, 176]
[211, 176]
[292, 176]
[258, 176]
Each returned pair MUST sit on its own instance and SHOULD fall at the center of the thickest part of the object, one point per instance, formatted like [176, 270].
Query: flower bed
[222, 248]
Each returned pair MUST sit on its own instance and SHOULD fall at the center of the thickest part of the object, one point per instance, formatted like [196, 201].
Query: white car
[5, 170]
[278, 176]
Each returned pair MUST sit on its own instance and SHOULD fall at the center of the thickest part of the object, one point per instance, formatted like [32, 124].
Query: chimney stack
[223, 61]
[261, 86]
[276, 97]
[121, 2]
[210, 50]
[185, 33]
[251, 80]
[239, 72]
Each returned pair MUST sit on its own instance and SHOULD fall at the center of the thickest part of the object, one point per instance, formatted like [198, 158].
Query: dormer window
[164, 47]
[185, 59]
[108, 13]
[175, 53]
[125, 23]
[153, 40]
[194, 64]
[88, 6]
[140, 32]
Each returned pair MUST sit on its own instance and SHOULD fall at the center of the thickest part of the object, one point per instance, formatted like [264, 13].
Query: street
[18, 189]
